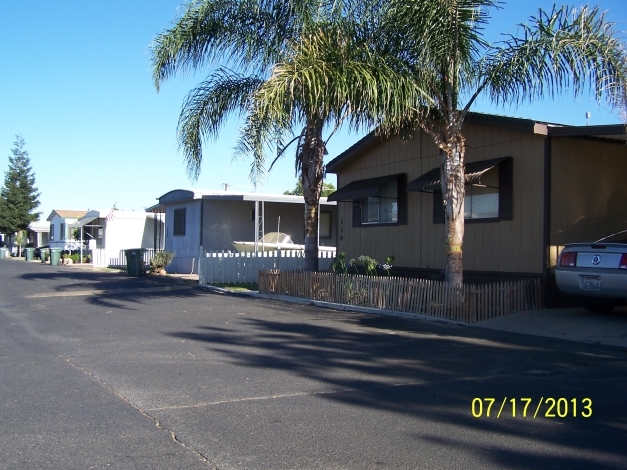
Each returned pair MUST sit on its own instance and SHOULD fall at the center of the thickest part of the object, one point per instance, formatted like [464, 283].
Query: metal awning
[430, 181]
[361, 188]
[87, 218]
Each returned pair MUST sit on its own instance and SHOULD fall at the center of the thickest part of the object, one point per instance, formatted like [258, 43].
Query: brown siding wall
[508, 246]
[588, 191]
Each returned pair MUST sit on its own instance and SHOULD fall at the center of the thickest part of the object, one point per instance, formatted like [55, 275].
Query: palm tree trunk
[312, 166]
[453, 192]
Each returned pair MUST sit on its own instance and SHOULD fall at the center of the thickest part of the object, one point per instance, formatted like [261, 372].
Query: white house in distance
[108, 232]
[60, 232]
[213, 220]
[39, 233]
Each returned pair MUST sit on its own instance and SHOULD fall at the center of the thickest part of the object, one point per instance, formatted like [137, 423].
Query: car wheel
[598, 306]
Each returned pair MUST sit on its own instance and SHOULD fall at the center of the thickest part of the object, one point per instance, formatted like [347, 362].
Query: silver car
[597, 271]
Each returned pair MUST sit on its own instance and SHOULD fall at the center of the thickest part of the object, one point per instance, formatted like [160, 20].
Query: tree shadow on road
[432, 372]
[108, 289]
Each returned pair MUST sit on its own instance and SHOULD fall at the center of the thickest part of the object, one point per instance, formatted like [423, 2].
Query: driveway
[573, 324]
[103, 371]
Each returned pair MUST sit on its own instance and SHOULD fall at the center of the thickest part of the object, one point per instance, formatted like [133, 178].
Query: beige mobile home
[531, 188]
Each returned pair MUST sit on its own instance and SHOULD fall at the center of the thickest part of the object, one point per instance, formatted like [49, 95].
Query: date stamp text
[544, 407]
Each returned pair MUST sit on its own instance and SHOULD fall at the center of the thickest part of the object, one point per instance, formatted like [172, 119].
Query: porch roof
[87, 218]
[263, 197]
[181, 195]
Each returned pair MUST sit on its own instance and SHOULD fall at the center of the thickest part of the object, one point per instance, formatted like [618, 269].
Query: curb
[332, 305]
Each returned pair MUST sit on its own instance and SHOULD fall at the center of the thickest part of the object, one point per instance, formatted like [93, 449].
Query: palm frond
[441, 40]
[565, 49]
[335, 77]
[243, 34]
[206, 108]
[257, 135]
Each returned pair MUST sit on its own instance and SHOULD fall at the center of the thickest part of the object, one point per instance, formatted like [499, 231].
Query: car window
[620, 237]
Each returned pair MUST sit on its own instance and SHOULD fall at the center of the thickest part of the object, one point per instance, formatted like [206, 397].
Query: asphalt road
[98, 370]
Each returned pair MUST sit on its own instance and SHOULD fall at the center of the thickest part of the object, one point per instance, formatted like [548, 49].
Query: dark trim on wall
[356, 213]
[202, 214]
[506, 190]
[439, 216]
[403, 216]
[546, 229]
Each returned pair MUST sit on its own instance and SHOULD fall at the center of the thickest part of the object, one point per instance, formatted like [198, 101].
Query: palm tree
[328, 77]
[250, 46]
[440, 44]
[561, 50]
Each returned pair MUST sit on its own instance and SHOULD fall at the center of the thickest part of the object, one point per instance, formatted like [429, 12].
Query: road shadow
[119, 288]
[433, 372]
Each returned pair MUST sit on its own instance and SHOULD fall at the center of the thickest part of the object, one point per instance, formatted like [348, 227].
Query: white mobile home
[61, 235]
[213, 220]
[110, 232]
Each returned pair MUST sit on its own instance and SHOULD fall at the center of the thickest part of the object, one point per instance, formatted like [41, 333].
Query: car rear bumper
[593, 283]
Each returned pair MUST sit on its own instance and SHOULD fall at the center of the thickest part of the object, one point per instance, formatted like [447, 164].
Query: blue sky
[76, 83]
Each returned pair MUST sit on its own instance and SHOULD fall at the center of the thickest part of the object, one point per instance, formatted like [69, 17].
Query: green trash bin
[29, 254]
[55, 256]
[45, 255]
[135, 261]
[3, 252]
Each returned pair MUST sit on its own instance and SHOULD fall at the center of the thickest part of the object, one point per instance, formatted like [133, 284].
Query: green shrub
[160, 260]
[370, 265]
[339, 263]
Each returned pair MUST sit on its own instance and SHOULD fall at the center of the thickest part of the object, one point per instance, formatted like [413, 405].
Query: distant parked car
[597, 271]
[38, 250]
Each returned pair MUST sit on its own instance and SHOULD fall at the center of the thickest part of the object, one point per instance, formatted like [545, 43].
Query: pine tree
[19, 196]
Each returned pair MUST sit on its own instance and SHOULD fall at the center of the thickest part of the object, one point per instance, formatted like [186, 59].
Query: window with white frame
[382, 208]
[482, 200]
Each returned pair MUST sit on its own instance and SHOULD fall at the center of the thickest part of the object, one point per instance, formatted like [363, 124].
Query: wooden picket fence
[467, 304]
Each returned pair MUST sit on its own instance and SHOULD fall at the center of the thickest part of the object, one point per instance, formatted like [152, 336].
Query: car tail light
[623, 262]
[568, 258]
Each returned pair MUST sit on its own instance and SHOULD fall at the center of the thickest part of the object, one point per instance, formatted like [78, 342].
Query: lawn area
[240, 287]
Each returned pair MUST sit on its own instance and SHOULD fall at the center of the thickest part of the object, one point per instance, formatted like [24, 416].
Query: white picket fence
[100, 258]
[225, 267]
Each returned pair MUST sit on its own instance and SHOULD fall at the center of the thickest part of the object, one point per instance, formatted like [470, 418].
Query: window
[51, 231]
[382, 208]
[376, 201]
[482, 200]
[62, 234]
[179, 222]
[325, 225]
[488, 195]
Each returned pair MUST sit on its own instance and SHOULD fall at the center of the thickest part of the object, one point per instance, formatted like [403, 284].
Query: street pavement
[99, 370]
